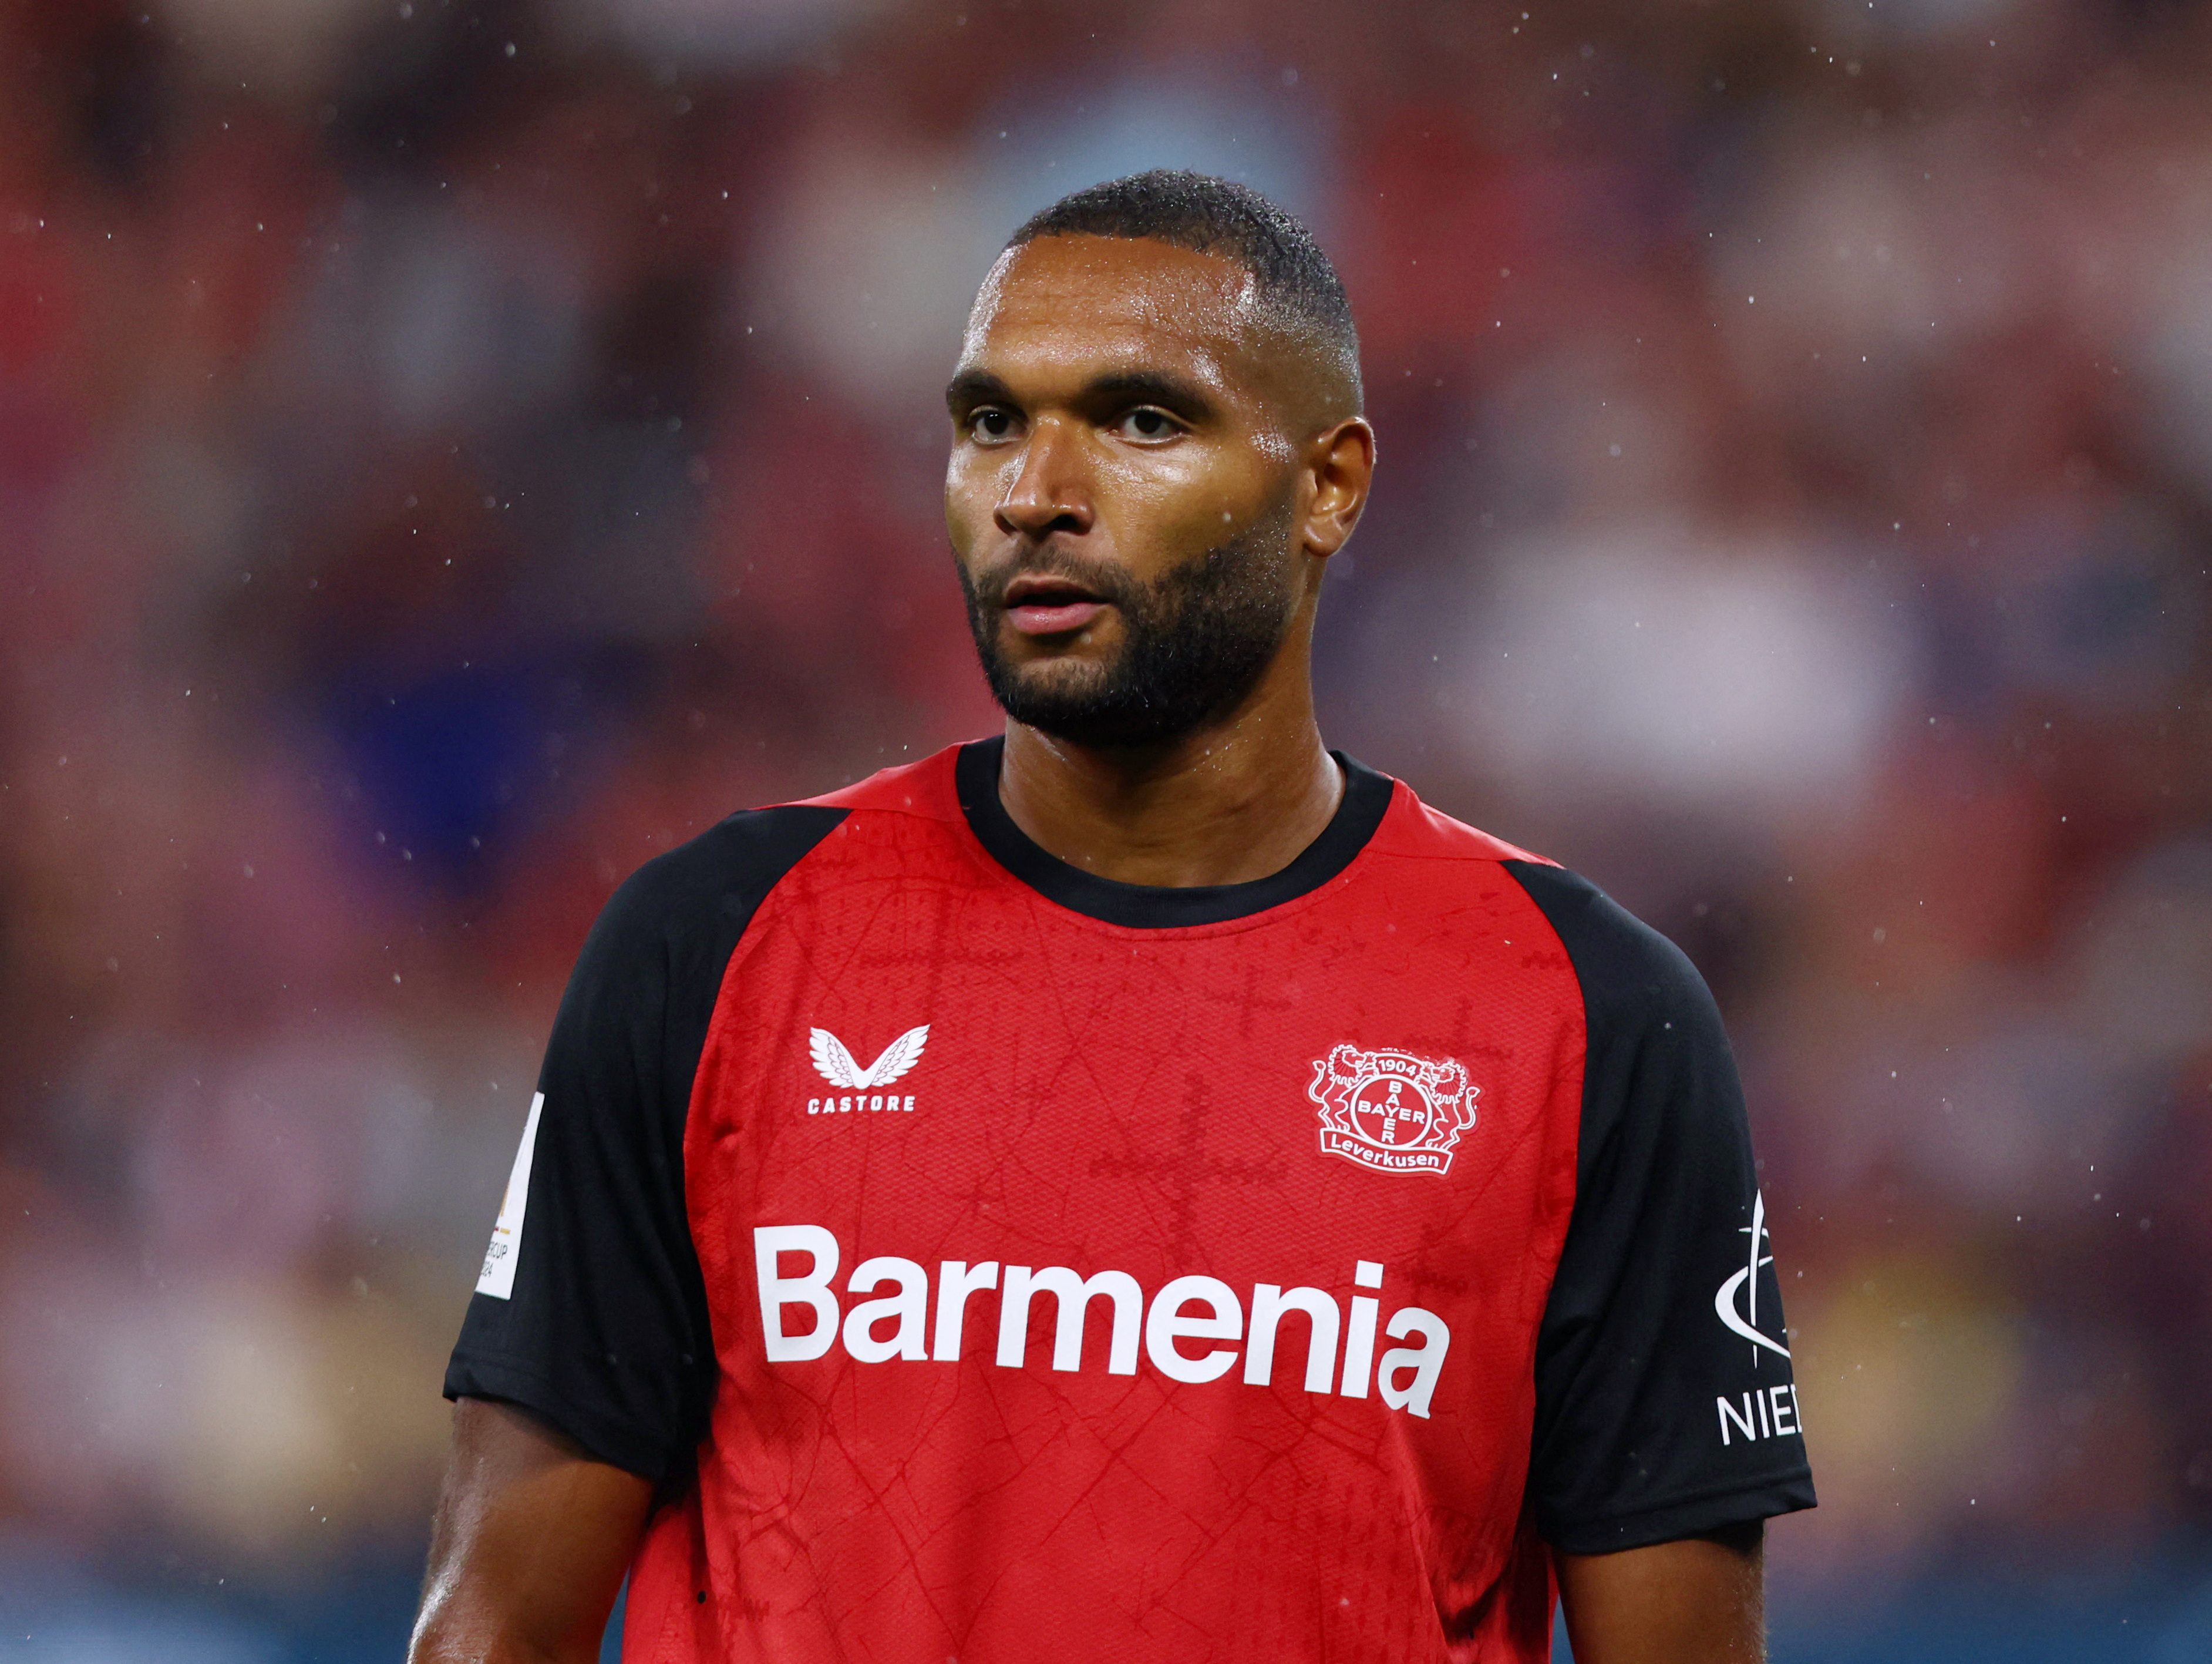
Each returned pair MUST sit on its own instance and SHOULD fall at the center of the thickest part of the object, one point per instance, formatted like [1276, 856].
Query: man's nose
[1048, 493]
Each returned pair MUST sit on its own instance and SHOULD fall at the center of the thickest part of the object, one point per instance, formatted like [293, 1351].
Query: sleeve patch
[497, 1277]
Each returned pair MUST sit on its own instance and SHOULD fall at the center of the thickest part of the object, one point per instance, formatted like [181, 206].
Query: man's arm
[531, 1540]
[1697, 1602]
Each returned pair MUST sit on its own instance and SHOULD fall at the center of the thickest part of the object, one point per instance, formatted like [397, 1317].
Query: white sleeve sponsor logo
[497, 1277]
[1761, 1415]
[892, 1326]
[1736, 1301]
[1769, 1413]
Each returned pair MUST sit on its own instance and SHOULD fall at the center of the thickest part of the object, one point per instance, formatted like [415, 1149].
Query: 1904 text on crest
[1392, 1111]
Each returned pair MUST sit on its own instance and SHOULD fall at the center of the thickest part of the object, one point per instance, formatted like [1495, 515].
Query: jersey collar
[1145, 906]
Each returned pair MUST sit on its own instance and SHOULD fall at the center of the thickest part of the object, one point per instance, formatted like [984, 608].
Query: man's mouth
[1045, 606]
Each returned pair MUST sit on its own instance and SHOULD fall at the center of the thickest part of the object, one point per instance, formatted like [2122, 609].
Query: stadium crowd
[452, 450]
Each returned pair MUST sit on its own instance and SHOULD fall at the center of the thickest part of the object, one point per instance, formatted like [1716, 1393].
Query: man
[1271, 1220]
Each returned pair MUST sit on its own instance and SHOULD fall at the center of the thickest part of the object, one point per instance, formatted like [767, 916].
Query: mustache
[1103, 579]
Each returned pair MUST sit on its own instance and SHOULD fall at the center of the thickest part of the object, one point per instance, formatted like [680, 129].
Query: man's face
[1119, 495]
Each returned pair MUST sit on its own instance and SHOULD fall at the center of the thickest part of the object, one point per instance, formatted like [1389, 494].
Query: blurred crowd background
[450, 450]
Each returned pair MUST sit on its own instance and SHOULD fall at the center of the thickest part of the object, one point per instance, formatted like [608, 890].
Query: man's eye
[988, 426]
[1149, 424]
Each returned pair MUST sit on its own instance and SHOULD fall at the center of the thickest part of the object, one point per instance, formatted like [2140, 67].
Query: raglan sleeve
[1666, 1406]
[590, 1310]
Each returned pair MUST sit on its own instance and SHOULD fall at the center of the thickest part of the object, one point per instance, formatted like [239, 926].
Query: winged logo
[834, 1064]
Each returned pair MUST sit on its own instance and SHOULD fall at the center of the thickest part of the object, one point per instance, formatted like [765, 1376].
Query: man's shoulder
[924, 790]
[1633, 978]
[748, 851]
[1414, 828]
[1626, 968]
[715, 880]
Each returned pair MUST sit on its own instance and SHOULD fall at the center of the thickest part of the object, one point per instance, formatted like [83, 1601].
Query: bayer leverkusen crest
[1390, 1110]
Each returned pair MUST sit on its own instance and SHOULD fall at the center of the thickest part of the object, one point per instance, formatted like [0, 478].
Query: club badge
[1390, 1110]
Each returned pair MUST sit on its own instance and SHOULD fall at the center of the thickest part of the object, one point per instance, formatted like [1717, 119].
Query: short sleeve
[1665, 1402]
[591, 1311]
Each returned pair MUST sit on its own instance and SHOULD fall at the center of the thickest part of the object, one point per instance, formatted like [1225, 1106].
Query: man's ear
[1339, 468]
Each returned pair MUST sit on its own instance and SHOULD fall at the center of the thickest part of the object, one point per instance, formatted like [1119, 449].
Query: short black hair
[1211, 216]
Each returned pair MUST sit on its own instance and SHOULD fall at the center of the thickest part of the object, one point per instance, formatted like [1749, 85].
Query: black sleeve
[591, 1311]
[1665, 1404]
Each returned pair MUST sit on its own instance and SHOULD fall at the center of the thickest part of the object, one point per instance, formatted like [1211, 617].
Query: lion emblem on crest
[1392, 1111]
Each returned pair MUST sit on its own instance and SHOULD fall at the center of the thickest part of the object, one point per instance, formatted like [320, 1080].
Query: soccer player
[1142, 1187]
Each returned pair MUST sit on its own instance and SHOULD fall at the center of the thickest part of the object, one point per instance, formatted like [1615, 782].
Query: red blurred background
[450, 450]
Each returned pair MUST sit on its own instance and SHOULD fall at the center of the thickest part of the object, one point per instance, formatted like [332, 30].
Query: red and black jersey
[991, 1261]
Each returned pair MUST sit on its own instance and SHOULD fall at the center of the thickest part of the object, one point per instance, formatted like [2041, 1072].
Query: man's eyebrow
[1181, 394]
[1152, 387]
[977, 386]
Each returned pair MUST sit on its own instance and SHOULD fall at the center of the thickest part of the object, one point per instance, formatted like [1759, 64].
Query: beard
[1194, 641]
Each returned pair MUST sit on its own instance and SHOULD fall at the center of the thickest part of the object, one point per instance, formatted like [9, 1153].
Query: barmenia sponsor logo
[1197, 1311]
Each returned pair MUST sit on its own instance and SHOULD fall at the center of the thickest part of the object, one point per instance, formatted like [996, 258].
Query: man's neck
[1224, 804]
